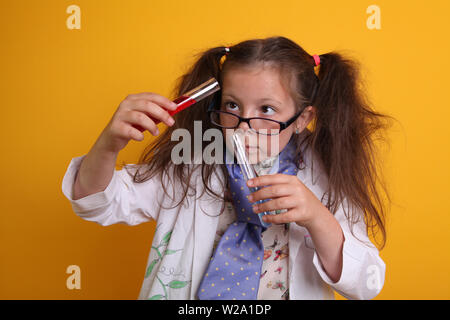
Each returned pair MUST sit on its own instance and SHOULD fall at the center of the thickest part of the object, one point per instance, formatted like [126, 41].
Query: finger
[269, 179]
[135, 134]
[269, 192]
[285, 217]
[275, 204]
[156, 98]
[154, 111]
[138, 118]
[126, 131]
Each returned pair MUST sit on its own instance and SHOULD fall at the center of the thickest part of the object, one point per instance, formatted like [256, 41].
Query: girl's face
[258, 92]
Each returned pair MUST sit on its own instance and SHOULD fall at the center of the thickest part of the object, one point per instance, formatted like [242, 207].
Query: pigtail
[343, 138]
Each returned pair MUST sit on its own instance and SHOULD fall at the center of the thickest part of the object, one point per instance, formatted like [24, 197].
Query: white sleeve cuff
[353, 283]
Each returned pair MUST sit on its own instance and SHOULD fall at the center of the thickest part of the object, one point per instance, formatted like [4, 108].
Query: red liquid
[183, 102]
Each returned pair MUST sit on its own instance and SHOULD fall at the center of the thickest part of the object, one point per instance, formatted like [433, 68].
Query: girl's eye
[267, 110]
[230, 105]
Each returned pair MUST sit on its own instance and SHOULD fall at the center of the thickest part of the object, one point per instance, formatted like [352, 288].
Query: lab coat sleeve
[123, 201]
[363, 271]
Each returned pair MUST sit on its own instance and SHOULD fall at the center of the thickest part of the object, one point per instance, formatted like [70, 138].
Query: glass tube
[247, 169]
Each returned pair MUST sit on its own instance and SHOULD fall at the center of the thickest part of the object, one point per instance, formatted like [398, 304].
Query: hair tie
[226, 51]
[316, 59]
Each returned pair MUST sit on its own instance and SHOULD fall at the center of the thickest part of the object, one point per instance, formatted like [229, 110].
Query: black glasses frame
[283, 124]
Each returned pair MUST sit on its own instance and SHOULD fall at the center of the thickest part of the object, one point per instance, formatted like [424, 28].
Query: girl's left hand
[286, 192]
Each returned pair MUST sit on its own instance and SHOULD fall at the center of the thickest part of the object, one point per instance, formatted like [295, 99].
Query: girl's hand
[286, 192]
[132, 117]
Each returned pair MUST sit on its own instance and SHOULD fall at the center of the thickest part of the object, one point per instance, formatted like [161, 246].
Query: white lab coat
[184, 237]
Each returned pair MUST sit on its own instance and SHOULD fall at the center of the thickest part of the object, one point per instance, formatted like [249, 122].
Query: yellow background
[60, 87]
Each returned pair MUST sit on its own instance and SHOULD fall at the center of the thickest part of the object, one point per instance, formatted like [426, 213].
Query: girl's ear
[305, 118]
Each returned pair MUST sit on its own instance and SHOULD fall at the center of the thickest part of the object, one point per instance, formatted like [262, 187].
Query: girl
[329, 205]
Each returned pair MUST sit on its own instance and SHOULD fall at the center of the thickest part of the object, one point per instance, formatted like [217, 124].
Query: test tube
[247, 169]
[193, 96]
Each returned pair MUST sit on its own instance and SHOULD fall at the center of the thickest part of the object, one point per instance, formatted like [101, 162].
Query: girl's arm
[328, 238]
[121, 201]
[362, 271]
[97, 191]
[95, 173]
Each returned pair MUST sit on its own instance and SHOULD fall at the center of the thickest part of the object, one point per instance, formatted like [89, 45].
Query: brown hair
[344, 130]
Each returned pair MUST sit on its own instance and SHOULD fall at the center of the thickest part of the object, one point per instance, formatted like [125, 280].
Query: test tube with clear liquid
[247, 169]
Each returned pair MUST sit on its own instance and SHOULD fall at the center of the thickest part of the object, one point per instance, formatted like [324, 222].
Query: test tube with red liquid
[193, 96]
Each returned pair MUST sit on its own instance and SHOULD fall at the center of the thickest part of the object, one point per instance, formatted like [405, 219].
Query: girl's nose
[244, 126]
[246, 114]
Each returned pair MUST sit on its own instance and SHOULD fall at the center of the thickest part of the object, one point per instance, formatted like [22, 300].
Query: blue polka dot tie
[234, 270]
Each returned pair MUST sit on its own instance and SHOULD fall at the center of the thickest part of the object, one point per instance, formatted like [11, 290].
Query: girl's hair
[343, 134]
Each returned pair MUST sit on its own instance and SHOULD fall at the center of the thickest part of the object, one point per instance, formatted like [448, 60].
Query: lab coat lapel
[206, 220]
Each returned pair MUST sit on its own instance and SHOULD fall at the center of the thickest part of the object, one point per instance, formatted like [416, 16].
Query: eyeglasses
[264, 126]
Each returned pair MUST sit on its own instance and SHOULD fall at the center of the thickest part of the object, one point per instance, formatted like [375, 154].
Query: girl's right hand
[132, 117]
